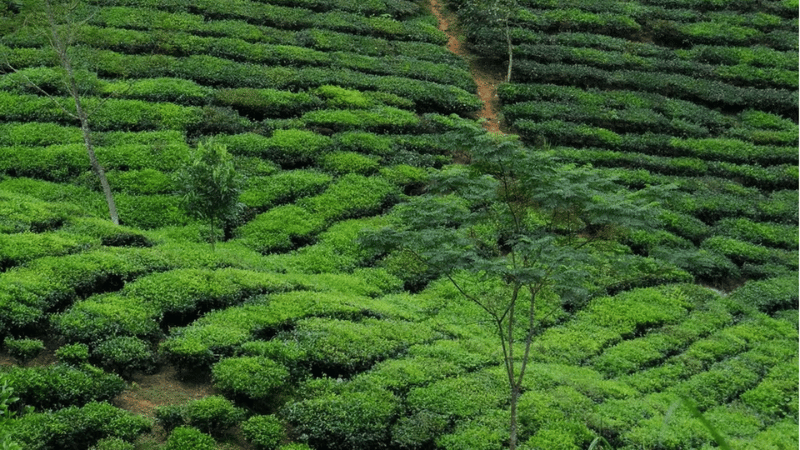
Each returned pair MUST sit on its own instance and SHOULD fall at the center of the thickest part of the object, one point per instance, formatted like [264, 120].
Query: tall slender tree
[57, 21]
[513, 232]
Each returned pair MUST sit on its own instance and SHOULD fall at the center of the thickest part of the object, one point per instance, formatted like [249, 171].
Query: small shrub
[113, 443]
[265, 432]
[125, 354]
[78, 428]
[348, 421]
[23, 350]
[185, 438]
[213, 415]
[73, 354]
[170, 416]
[253, 377]
[60, 386]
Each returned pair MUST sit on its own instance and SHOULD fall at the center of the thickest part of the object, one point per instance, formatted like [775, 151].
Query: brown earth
[486, 77]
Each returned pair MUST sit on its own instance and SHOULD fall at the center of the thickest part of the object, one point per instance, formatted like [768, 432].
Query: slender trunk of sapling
[510, 51]
[87, 139]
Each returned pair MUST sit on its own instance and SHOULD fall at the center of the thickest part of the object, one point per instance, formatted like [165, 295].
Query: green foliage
[78, 428]
[775, 397]
[23, 350]
[283, 187]
[59, 386]
[187, 437]
[213, 415]
[254, 377]
[265, 432]
[352, 195]
[73, 354]
[349, 162]
[125, 354]
[768, 295]
[211, 186]
[113, 443]
[281, 229]
[340, 347]
[352, 419]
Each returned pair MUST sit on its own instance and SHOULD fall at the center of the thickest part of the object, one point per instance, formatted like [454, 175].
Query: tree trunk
[510, 51]
[211, 236]
[60, 45]
[87, 139]
[512, 438]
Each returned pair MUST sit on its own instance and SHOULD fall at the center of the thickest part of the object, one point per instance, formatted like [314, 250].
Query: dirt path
[486, 79]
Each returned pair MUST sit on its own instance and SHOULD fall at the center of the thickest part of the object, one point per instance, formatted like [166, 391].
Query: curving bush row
[351, 196]
[739, 75]
[707, 92]
[762, 233]
[291, 18]
[606, 321]
[62, 163]
[77, 428]
[742, 252]
[652, 349]
[768, 178]
[217, 72]
[283, 187]
[60, 386]
[673, 109]
[152, 299]
[769, 295]
[109, 114]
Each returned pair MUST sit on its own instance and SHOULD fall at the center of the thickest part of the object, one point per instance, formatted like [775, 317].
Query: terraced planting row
[335, 112]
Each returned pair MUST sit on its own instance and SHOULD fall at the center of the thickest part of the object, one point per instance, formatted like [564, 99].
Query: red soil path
[486, 78]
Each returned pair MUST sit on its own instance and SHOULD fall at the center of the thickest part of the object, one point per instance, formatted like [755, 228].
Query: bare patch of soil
[487, 78]
[147, 392]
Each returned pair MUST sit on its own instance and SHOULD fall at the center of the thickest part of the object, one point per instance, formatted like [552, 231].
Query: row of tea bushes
[264, 14]
[221, 332]
[740, 75]
[372, 8]
[772, 178]
[706, 92]
[78, 428]
[428, 96]
[30, 292]
[758, 56]
[181, 45]
[751, 125]
[61, 385]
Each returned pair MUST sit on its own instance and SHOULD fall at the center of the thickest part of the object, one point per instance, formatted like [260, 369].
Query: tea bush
[77, 428]
[352, 195]
[775, 396]
[340, 347]
[349, 162]
[125, 354]
[763, 233]
[60, 386]
[73, 354]
[265, 432]
[283, 187]
[280, 229]
[188, 437]
[253, 377]
[768, 295]
[351, 419]
[113, 443]
[213, 415]
[258, 104]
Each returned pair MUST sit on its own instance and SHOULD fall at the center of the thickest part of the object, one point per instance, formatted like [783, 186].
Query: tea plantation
[337, 114]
